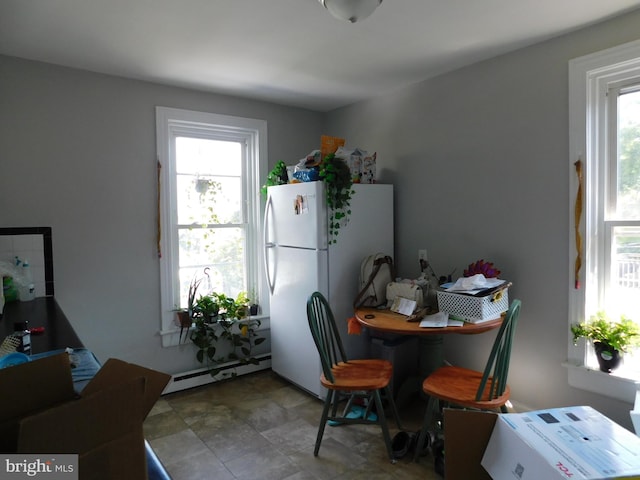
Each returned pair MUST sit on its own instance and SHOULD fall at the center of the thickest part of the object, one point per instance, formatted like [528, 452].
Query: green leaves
[277, 176]
[220, 318]
[336, 175]
[621, 335]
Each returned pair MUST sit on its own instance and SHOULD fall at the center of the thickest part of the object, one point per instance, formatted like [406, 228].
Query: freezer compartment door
[296, 215]
[297, 274]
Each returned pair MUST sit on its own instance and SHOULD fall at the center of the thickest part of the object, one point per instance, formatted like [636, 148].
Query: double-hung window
[210, 166]
[605, 205]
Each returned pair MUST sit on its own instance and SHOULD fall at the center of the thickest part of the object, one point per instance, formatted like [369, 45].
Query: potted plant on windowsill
[184, 316]
[221, 318]
[610, 339]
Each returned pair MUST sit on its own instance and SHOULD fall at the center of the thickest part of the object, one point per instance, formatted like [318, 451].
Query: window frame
[170, 123]
[591, 77]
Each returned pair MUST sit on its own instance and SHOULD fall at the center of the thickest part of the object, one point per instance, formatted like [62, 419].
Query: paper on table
[403, 305]
[474, 284]
[440, 319]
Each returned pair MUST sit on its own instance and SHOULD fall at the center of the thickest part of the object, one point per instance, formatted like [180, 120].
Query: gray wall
[480, 162]
[78, 153]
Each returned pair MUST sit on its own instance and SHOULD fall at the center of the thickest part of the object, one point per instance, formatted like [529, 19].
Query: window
[209, 205]
[604, 128]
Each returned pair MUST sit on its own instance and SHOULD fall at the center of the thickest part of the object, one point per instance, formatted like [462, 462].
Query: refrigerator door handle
[267, 244]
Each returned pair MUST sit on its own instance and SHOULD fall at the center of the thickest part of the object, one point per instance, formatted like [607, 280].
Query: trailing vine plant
[336, 175]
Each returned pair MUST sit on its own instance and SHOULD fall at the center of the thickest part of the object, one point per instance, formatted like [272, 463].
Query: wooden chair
[348, 379]
[467, 388]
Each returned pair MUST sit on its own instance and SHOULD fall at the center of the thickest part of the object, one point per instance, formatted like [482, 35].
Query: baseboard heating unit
[201, 376]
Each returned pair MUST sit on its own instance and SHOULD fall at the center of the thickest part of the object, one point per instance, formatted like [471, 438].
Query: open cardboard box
[561, 443]
[466, 434]
[41, 413]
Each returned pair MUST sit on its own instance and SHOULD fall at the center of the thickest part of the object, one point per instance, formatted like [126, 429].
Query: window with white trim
[604, 90]
[210, 166]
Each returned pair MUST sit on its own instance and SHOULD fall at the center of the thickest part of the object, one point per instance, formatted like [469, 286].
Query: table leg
[430, 357]
[430, 354]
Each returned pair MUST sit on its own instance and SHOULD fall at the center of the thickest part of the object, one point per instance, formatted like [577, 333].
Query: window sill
[171, 337]
[606, 384]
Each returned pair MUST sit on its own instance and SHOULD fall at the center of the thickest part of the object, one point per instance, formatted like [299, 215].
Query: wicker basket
[474, 309]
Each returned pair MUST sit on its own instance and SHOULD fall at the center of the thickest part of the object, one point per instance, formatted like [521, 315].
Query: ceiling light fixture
[350, 11]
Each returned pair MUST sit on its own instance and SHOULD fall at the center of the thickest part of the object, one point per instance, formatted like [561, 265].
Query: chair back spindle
[497, 367]
[325, 334]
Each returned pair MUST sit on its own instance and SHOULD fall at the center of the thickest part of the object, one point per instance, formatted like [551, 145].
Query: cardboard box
[466, 434]
[41, 413]
[561, 443]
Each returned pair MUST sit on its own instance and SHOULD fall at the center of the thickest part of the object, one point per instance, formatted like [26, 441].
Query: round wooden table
[391, 322]
[430, 340]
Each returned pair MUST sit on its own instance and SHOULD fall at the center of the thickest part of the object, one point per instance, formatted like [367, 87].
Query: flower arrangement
[485, 268]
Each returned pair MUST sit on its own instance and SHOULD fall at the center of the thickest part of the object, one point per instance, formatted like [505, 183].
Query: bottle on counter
[27, 290]
[22, 332]
[9, 289]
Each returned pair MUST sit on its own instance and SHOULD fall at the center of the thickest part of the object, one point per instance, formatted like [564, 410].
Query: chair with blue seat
[472, 389]
[348, 379]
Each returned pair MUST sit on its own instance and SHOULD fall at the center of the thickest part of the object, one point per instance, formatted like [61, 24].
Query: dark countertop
[41, 312]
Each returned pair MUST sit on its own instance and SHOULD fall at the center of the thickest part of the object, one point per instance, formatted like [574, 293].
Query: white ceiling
[286, 51]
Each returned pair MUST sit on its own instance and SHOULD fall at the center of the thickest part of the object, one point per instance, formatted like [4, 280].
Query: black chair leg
[382, 420]
[426, 423]
[323, 420]
[394, 408]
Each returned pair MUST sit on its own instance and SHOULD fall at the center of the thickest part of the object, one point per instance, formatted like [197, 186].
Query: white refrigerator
[299, 259]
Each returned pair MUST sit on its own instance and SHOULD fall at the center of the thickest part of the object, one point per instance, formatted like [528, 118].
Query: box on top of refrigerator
[561, 443]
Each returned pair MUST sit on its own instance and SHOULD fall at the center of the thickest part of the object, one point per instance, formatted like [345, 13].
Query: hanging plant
[336, 175]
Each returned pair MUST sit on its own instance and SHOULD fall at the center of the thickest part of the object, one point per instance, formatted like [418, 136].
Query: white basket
[474, 309]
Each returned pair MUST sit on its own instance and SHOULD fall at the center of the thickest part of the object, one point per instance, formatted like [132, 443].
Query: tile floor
[259, 426]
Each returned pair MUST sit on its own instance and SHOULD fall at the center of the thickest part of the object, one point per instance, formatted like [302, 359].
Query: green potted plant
[185, 316]
[207, 308]
[252, 301]
[277, 176]
[610, 339]
[231, 325]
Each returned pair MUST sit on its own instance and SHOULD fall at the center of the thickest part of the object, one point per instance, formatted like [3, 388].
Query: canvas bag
[376, 272]
[406, 290]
